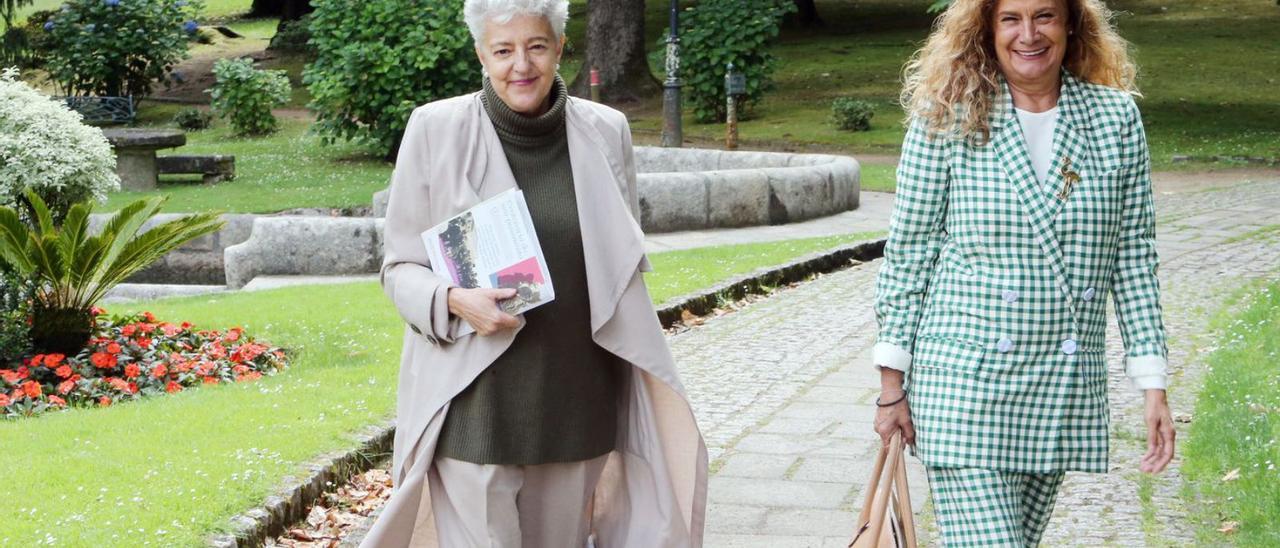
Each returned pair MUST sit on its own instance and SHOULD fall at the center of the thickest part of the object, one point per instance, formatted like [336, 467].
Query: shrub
[45, 147]
[15, 334]
[118, 47]
[245, 95]
[73, 270]
[293, 36]
[132, 357]
[192, 119]
[720, 32]
[851, 114]
[377, 60]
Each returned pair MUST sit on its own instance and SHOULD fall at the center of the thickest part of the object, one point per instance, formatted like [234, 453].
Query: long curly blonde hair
[952, 82]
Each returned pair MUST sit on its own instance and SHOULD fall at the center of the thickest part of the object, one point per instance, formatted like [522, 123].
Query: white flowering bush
[45, 146]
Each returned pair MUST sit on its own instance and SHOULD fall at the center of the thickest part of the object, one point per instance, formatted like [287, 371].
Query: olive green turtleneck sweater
[552, 396]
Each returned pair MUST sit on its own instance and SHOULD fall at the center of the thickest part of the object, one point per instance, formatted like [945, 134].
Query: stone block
[304, 246]
[380, 200]
[737, 198]
[214, 168]
[672, 201]
[756, 465]
[776, 493]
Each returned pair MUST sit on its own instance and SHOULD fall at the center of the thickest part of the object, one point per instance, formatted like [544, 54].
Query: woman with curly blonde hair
[1023, 201]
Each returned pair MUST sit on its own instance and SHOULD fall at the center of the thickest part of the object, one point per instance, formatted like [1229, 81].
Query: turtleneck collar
[514, 126]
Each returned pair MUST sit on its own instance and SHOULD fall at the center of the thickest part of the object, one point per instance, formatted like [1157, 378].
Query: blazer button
[1069, 347]
[415, 329]
[1088, 294]
[1004, 345]
[1009, 295]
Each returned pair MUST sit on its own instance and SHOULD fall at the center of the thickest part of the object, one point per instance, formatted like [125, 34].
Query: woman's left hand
[1160, 433]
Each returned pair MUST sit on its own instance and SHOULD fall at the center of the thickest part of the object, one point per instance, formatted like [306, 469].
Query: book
[493, 245]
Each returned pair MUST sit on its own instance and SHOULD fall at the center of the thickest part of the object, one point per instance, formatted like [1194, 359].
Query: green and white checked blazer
[992, 293]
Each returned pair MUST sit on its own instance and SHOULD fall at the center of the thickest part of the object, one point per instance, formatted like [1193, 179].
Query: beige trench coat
[653, 491]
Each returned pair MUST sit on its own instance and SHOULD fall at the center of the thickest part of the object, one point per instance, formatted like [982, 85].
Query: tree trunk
[616, 47]
[807, 16]
[286, 10]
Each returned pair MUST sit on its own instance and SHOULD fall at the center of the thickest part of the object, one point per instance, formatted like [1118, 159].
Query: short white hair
[476, 12]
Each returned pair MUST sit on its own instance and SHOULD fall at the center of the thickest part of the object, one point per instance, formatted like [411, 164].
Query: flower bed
[131, 357]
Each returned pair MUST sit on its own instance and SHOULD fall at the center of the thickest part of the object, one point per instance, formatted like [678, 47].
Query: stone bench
[213, 169]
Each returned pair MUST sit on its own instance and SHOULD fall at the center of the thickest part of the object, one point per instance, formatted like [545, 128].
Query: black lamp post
[672, 133]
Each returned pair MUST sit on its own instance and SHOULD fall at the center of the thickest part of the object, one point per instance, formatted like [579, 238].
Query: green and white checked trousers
[978, 507]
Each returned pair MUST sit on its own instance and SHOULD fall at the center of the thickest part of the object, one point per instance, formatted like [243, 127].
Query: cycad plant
[72, 270]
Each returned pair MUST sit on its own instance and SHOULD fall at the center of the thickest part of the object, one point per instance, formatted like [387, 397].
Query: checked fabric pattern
[976, 507]
[996, 287]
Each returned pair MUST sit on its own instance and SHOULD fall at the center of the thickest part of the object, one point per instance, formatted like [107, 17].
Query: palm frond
[40, 210]
[13, 242]
[149, 246]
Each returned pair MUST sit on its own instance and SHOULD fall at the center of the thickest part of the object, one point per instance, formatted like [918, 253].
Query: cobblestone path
[783, 391]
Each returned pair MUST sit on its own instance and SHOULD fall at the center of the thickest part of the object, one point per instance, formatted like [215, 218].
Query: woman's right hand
[896, 417]
[479, 307]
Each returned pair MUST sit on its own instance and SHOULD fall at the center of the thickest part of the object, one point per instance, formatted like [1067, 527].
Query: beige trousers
[509, 506]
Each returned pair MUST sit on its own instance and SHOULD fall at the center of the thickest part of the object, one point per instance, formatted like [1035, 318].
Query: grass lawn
[1237, 429]
[289, 169]
[171, 470]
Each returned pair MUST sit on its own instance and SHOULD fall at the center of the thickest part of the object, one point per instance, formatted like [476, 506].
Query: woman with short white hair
[565, 425]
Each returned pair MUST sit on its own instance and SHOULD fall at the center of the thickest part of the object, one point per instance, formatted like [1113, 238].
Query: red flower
[172, 387]
[113, 348]
[52, 360]
[144, 342]
[146, 327]
[240, 369]
[23, 373]
[250, 376]
[133, 388]
[129, 330]
[97, 311]
[103, 360]
[186, 325]
[210, 380]
[63, 371]
[104, 401]
[35, 360]
[10, 376]
[118, 384]
[216, 351]
[132, 370]
[205, 368]
[4, 400]
[149, 317]
[160, 371]
[31, 389]
[65, 387]
[169, 329]
[233, 334]
[57, 401]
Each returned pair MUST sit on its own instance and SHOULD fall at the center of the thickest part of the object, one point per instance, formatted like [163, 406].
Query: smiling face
[1030, 41]
[520, 57]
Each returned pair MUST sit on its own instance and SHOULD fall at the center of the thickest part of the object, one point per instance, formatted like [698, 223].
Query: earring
[484, 73]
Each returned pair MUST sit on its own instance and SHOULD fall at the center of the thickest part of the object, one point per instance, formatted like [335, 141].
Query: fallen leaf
[1229, 527]
[1232, 475]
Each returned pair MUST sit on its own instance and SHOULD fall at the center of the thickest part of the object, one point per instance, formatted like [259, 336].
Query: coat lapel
[1038, 202]
[612, 243]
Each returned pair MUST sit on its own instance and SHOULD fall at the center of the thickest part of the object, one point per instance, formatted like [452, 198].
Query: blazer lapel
[487, 169]
[1070, 145]
[612, 243]
[1011, 148]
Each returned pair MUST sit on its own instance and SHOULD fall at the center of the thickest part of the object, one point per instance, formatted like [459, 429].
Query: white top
[1037, 129]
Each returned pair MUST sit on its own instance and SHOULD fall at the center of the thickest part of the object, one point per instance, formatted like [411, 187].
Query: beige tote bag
[886, 520]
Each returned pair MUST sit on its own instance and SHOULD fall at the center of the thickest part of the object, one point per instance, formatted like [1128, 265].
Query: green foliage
[720, 32]
[73, 270]
[15, 337]
[9, 9]
[193, 119]
[46, 148]
[293, 36]
[851, 114]
[245, 95]
[118, 47]
[939, 6]
[379, 59]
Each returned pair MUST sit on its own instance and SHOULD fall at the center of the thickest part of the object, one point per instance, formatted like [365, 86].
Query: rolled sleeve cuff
[887, 354]
[1147, 372]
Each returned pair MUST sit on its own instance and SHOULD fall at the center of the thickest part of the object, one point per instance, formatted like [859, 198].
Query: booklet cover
[493, 245]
